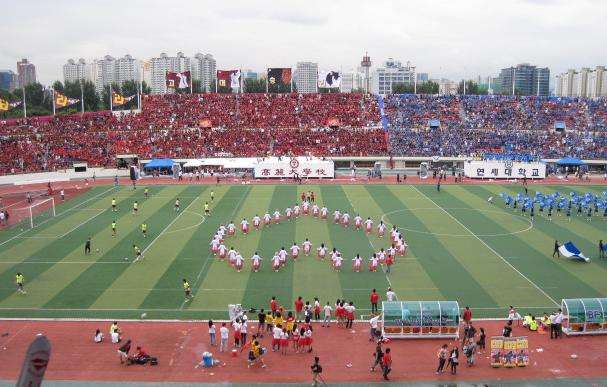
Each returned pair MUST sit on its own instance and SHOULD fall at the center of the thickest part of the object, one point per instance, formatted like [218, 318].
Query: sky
[445, 38]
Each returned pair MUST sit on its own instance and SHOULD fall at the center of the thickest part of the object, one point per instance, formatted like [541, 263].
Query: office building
[392, 72]
[306, 77]
[525, 79]
[8, 80]
[26, 73]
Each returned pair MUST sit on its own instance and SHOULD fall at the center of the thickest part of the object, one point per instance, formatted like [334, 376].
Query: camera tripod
[318, 380]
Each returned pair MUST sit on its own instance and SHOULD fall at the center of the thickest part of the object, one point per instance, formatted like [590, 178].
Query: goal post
[36, 213]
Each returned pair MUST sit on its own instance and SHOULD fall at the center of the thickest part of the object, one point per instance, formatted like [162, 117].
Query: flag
[329, 80]
[568, 250]
[118, 100]
[6, 106]
[228, 79]
[178, 80]
[279, 77]
[63, 101]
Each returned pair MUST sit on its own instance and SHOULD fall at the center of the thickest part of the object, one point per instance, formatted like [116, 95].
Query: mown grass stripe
[266, 283]
[454, 281]
[81, 291]
[217, 287]
[159, 256]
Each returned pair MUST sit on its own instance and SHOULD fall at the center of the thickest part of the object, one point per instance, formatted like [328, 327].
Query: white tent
[193, 163]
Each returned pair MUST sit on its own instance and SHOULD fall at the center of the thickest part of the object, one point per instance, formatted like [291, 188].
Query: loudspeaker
[133, 172]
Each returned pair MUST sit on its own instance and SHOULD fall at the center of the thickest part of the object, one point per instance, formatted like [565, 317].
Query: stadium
[227, 234]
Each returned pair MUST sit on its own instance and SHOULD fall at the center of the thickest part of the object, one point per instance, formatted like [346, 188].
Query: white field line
[209, 256]
[489, 247]
[61, 213]
[81, 224]
[371, 243]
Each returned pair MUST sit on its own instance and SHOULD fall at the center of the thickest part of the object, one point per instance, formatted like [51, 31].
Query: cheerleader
[358, 222]
[315, 210]
[266, 219]
[221, 231]
[324, 213]
[391, 252]
[336, 216]
[345, 219]
[381, 229]
[276, 217]
[321, 252]
[301, 341]
[256, 261]
[244, 226]
[401, 246]
[295, 336]
[238, 262]
[305, 207]
[339, 312]
[231, 256]
[307, 247]
[276, 262]
[368, 226]
[373, 262]
[288, 213]
[296, 210]
[223, 251]
[381, 255]
[256, 222]
[356, 263]
[337, 262]
[316, 309]
[334, 254]
[284, 342]
[394, 234]
[294, 251]
[231, 229]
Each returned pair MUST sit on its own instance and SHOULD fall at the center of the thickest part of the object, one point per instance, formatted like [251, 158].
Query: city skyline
[446, 39]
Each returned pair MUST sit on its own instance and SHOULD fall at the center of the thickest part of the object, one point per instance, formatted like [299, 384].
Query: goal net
[32, 215]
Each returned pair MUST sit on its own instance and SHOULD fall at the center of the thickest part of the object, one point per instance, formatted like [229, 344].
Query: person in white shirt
[294, 251]
[256, 260]
[336, 216]
[215, 246]
[358, 222]
[381, 255]
[238, 262]
[236, 329]
[357, 263]
[288, 213]
[326, 322]
[224, 333]
[231, 255]
[296, 210]
[276, 262]
[244, 226]
[212, 333]
[276, 335]
[98, 338]
[324, 213]
[368, 225]
[390, 295]
[381, 229]
[345, 219]
[276, 217]
[256, 222]
[307, 247]
[223, 251]
[283, 256]
[231, 228]
[373, 263]
[266, 219]
[374, 324]
[321, 251]
[337, 262]
[305, 206]
[315, 211]
[243, 332]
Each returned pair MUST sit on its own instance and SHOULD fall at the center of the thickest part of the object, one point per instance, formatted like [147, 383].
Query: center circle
[466, 235]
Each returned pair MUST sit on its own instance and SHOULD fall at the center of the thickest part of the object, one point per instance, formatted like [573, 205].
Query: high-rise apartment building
[590, 83]
[204, 69]
[26, 73]
[77, 71]
[115, 70]
[162, 64]
[306, 77]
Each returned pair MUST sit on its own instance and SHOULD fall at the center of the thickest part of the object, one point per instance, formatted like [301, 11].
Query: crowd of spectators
[334, 124]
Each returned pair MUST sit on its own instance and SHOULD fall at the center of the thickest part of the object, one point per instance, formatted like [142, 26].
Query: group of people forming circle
[385, 257]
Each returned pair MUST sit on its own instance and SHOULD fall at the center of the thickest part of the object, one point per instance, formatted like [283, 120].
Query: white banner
[302, 167]
[499, 169]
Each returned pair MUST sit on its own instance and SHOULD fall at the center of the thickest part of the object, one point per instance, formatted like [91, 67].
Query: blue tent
[570, 161]
[159, 164]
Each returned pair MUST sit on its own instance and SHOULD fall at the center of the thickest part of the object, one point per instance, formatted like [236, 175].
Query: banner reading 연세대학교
[499, 169]
[509, 352]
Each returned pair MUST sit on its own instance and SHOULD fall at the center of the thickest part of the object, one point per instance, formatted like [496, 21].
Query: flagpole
[216, 81]
[25, 104]
[267, 78]
[241, 81]
[191, 80]
[82, 96]
[111, 107]
[139, 96]
[53, 96]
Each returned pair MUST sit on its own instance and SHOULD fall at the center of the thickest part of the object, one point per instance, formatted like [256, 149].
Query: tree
[253, 85]
[196, 86]
[58, 86]
[402, 88]
[105, 94]
[472, 88]
[427, 88]
[145, 89]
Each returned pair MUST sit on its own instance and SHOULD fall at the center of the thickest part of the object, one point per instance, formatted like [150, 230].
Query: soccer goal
[38, 212]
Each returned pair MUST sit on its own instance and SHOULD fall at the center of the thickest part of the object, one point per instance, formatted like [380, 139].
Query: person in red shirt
[374, 298]
[467, 315]
[139, 357]
[299, 308]
[273, 305]
[386, 363]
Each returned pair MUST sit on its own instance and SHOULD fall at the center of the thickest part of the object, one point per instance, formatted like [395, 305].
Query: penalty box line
[536, 286]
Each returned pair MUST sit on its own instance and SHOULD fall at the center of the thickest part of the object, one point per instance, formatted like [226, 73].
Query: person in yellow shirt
[144, 229]
[114, 209]
[533, 324]
[278, 320]
[145, 192]
[207, 210]
[187, 290]
[19, 280]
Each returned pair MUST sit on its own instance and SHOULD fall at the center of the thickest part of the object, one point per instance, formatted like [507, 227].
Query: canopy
[159, 163]
[192, 163]
[570, 161]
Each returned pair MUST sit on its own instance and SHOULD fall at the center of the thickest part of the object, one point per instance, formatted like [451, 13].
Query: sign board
[500, 169]
[303, 167]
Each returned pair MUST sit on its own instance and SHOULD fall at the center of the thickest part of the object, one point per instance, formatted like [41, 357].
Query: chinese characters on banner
[477, 169]
[301, 167]
[509, 352]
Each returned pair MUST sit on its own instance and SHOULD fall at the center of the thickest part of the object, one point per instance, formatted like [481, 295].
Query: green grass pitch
[460, 248]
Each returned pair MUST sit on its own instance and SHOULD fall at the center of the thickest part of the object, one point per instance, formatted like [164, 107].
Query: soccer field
[460, 248]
